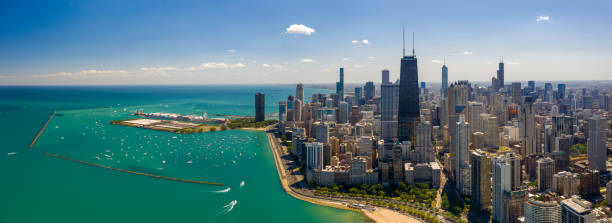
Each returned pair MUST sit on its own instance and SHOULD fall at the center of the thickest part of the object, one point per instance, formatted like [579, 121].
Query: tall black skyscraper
[444, 79]
[369, 91]
[500, 75]
[408, 110]
[260, 105]
[340, 85]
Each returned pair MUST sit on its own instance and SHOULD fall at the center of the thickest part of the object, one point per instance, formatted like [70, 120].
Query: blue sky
[206, 42]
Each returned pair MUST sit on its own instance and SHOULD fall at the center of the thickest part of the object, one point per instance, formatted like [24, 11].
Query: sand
[383, 215]
[380, 215]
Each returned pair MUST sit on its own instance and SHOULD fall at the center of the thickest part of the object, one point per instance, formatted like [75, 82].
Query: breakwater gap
[133, 172]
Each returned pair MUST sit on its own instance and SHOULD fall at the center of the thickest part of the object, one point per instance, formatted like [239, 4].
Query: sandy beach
[380, 215]
[383, 215]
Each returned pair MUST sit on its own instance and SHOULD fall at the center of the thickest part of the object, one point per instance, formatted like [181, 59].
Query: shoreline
[380, 215]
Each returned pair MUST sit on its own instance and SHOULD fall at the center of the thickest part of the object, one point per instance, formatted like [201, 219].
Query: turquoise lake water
[39, 188]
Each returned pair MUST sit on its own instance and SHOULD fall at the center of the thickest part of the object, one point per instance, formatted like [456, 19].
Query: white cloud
[371, 57]
[542, 18]
[265, 65]
[357, 65]
[299, 29]
[437, 61]
[345, 59]
[365, 41]
[280, 67]
[238, 65]
[467, 53]
[100, 72]
[214, 65]
[230, 50]
[306, 60]
[158, 68]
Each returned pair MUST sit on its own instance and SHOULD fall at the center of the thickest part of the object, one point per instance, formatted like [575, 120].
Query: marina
[192, 118]
[166, 125]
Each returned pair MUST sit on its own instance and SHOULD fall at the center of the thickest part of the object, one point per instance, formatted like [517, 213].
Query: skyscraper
[560, 91]
[385, 76]
[398, 164]
[598, 130]
[517, 92]
[299, 92]
[546, 169]
[314, 155]
[343, 113]
[369, 90]
[481, 180]
[444, 79]
[507, 202]
[589, 184]
[423, 152]
[260, 106]
[531, 85]
[408, 110]
[358, 95]
[462, 166]
[501, 184]
[389, 100]
[282, 111]
[340, 85]
[527, 127]
[500, 76]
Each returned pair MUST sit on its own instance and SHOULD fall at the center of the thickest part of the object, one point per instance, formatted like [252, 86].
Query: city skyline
[222, 43]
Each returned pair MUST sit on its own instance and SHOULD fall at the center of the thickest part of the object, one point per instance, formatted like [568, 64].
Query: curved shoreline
[375, 216]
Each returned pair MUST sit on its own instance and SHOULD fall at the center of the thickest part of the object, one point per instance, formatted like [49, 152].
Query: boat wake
[227, 208]
[224, 190]
[241, 184]
[11, 153]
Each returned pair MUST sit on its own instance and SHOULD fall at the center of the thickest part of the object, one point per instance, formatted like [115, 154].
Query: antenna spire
[403, 41]
[413, 44]
[445, 61]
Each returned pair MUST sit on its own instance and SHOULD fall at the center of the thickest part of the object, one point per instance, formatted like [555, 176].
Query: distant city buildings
[524, 153]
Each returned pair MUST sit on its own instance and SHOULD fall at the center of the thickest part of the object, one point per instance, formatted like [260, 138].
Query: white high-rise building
[462, 156]
[314, 155]
[542, 210]
[501, 184]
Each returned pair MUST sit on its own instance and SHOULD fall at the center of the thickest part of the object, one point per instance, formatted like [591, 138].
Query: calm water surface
[38, 188]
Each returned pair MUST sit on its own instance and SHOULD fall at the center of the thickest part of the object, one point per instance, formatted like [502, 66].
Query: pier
[42, 129]
[133, 172]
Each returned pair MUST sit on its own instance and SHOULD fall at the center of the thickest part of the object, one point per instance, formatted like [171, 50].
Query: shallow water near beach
[39, 188]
